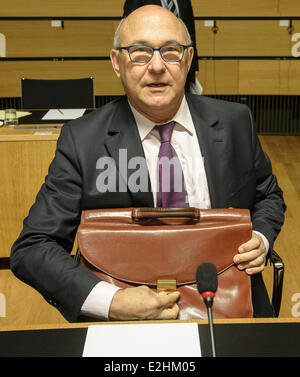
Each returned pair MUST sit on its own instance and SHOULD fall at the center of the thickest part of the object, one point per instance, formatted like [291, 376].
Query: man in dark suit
[228, 165]
[182, 9]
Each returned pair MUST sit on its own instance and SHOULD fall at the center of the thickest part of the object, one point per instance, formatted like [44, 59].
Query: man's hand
[141, 303]
[252, 255]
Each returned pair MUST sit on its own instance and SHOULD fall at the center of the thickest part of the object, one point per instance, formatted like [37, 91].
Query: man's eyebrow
[172, 42]
[145, 43]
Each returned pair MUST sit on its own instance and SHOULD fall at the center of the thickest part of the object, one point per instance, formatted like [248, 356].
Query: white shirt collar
[182, 117]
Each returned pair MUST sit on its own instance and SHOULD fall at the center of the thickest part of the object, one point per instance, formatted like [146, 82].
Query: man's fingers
[141, 302]
[170, 309]
[250, 250]
[255, 270]
[168, 299]
[253, 261]
[169, 313]
[257, 262]
[247, 256]
[253, 243]
[251, 255]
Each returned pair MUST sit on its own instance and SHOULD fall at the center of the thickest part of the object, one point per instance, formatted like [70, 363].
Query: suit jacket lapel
[124, 146]
[212, 140]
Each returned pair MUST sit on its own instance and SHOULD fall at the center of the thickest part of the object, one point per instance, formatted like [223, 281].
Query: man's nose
[156, 63]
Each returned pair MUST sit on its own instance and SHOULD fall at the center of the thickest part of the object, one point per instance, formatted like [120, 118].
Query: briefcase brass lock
[166, 285]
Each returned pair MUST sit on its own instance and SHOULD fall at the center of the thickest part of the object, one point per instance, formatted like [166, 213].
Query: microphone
[207, 284]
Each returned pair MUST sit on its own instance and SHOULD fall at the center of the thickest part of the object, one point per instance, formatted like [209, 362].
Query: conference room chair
[278, 274]
[57, 94]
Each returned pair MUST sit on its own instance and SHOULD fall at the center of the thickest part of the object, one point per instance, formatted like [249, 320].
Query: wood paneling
[25, 159]
[95, 38]
[61, 8]
[269, 77]
[293, 76]
[246, 8]
[108, 8]
[11, 72]
[205, 39]
[216, 76]
[40, 39]
[23, 304]
[289, 7]
[219, 77]
[249, 38]
[24, 165]
[37, 39]
[259, 77]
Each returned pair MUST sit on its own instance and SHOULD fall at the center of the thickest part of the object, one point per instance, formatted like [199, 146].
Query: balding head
[157, 15]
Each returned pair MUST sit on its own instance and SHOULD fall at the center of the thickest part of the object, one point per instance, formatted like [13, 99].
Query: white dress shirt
[186, 144]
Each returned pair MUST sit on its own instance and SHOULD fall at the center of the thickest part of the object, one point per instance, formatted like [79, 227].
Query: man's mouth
[157, 85]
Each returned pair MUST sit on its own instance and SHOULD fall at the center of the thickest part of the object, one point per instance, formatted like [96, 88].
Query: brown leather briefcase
[162, 248]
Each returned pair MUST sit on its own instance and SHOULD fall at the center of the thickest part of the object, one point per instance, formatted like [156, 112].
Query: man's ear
[190, 56]
[114, 58]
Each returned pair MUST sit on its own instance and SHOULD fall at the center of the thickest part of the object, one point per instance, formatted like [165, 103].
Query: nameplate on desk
[143, 340]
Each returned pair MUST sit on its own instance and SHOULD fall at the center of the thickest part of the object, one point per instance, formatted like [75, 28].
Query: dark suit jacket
[238, 172]
[187, 16]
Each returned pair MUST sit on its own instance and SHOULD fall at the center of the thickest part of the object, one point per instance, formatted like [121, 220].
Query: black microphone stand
[208, 302]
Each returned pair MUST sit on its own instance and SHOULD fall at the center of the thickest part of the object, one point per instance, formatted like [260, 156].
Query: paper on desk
[63, 114]
[143, 340]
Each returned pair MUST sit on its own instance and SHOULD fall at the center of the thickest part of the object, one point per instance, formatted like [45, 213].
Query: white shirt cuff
[266, 242]
[98, 302]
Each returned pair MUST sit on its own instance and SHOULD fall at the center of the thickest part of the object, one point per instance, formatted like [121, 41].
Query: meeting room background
[248, 52]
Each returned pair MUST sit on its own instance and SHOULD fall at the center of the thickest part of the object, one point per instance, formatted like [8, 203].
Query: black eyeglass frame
[127, 48]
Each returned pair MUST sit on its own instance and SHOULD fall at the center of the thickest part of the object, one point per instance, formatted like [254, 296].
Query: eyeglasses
[143, 54]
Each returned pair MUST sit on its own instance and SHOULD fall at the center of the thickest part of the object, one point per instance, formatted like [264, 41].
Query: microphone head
[206, 277]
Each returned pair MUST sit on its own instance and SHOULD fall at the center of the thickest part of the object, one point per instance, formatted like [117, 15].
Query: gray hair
[116, 40]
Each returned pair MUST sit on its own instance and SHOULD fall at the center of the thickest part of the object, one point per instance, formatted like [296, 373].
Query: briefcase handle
[140, 214]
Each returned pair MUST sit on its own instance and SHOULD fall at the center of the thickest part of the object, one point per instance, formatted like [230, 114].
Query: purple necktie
[171, 189]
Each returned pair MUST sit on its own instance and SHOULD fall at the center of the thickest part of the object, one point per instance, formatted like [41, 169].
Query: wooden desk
[25, 157]
[26, 152]
[252, 337]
